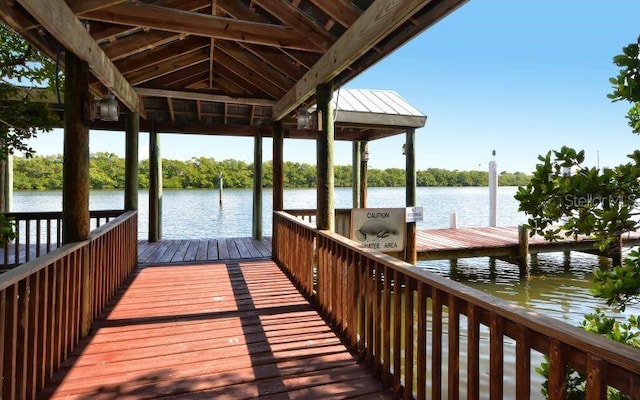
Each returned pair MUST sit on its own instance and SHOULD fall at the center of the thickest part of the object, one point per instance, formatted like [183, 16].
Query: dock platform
[234, 330]
[500, 242]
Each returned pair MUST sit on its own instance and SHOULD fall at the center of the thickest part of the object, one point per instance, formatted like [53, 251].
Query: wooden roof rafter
[181, 46]
[194, 23]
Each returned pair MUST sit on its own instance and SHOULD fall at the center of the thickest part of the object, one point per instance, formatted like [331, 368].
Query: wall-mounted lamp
[304, 118]
[404, 149]
[365, 155]
[108, 107]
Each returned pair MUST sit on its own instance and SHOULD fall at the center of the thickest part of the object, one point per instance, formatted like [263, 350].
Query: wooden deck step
[234, 330]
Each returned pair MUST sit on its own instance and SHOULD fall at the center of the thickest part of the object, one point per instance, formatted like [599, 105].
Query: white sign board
[414, 214]
[381, 229]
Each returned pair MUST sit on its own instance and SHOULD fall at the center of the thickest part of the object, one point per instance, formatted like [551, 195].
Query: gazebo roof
[222, 66]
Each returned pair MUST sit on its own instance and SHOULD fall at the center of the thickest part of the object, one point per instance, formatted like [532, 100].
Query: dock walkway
[500, 242]
[234, 330]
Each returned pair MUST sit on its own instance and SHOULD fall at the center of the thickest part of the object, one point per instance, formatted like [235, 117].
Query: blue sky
[518, 76]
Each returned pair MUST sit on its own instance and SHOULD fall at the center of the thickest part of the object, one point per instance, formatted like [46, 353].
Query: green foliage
[589, 201]
[626, 86]
[620, 286]
[106, 171]
[25, 74]
[7, 230]
[601, 324]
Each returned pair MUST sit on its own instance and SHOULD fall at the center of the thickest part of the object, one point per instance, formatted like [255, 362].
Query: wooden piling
[221, 187]
[523, 250]
[75, 175]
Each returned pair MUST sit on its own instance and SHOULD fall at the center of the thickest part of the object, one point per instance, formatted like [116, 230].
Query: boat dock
[505, 243]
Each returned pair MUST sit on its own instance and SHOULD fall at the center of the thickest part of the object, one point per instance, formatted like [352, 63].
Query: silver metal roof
[380, 107]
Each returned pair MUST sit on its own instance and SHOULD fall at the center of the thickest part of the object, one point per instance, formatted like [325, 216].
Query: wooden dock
[235, 330]
[171, 251]
[500, 242]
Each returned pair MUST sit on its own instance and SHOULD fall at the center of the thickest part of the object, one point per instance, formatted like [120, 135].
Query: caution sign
[381, 229]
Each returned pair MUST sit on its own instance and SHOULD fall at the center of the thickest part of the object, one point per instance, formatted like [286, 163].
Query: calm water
[559, 286]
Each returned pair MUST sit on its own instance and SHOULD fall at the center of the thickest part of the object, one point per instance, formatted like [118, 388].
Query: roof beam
[85, 6]
[202, 97]
[378, 21]
[185, 22]
[57, 18]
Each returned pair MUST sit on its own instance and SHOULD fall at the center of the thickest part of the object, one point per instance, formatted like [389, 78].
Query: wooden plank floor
[172, 251]
[235, 330]
[486, 241]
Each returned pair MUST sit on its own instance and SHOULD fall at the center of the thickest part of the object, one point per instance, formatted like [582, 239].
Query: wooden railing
[48, 304]
[342, 219]
[39, 233]
[407, 324]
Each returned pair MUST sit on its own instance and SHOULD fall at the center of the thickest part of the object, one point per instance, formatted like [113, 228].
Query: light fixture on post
[108, 108]
[404, 149]
[365, 155]
[304, 118]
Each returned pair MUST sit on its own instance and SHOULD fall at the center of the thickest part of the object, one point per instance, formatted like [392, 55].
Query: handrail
[40, 232]
[364, 294]
[48, 304]
[342, 218]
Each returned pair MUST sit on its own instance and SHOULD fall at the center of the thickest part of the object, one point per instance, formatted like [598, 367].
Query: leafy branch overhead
[26, 78]
[566, 198]
[626, 86]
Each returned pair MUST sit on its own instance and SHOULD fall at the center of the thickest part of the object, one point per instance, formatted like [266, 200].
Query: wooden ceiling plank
[343, 13]
[277, 59]
[178, 76]
[239, 11]
[248, 75]
[252, 62]
[145, 92]
[305, 59]
[134, 44]
[80, 7]
[292, 17]
[166, 67]
[56, 17]
[174, 20]
[233, 88]
[378, 21]
[146, 59]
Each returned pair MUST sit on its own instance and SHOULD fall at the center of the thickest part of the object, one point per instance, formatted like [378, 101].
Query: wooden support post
[155, 188]
[411, 253]
[523, 250]
[364, 153]
[8, 183]
[75, 170]
[278, 166]
[257, 186]
[325, 218]
[132, 128]
[355, 174]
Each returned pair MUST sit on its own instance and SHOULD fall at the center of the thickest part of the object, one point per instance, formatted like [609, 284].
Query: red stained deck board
[229, 330]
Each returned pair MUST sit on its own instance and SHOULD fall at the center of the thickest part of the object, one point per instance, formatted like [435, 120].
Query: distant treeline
[107, 172]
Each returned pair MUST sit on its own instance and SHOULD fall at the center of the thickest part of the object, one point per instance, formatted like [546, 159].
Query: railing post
[87, 291]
